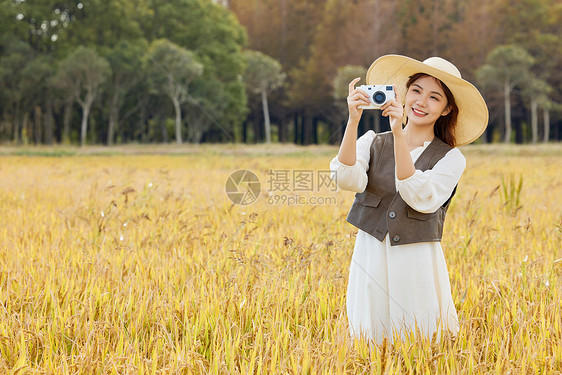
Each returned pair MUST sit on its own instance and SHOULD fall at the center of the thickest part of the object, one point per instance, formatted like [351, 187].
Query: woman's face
[425, 102]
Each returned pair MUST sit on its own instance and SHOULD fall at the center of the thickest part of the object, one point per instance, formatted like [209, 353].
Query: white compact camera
[379, 94]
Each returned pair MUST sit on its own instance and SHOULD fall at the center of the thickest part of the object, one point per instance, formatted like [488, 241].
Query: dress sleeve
[428, 190]
[354, 177]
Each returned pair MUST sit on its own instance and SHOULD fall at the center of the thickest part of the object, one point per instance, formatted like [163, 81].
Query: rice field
[135, 261]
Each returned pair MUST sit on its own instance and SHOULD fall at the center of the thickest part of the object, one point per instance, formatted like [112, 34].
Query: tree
[126, 67]
[35, 85]
[263, 73]
[81, 75]
[345, 75]
[424, 26]
[215, 36]
[537, 91]
[285, 30]
[506, 67]
[17, 55]
[536, 25]
[474, 33]
[173, 70]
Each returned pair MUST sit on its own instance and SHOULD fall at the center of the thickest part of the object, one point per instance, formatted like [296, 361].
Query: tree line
[121, 71]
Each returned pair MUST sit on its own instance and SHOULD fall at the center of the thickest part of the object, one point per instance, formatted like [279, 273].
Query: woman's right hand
[356, 98]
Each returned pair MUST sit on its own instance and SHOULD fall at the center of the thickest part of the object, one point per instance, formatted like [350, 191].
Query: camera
[379, 94]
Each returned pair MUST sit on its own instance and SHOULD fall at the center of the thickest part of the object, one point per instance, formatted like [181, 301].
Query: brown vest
[380, 209]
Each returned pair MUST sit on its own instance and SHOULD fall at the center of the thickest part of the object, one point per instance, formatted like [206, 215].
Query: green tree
[345, 75]
[81, 75]
[216, 38]
[16, 56]
[173, 69]
[35, 85]
[99, 24]
[536, 25]
[506, 67]
[263, 73]
[537, 91]
[126, 60]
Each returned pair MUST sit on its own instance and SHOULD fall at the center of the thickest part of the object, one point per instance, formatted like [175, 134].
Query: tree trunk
[178, 119]
[315, 130]
[48, 138]
[37, 120]
[306, 138]
[283, 127]
[534, 120]
[66, 122]
[113, 116]
[16, 126]
[546, 124]
[86, 107]
[266, 116]
[296, 126]
[164, 130]
[507, 114]
[84, 126]
[25, 129]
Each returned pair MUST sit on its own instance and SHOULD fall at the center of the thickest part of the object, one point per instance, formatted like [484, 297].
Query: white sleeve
[428, 190]
[354, 177]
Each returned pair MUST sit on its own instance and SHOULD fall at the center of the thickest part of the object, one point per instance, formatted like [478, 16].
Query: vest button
[392, 214]
[396, 238]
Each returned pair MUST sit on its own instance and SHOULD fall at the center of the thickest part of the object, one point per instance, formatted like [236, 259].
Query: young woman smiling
[405, 180]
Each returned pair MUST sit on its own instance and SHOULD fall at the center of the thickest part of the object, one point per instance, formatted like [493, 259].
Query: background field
[134, 261]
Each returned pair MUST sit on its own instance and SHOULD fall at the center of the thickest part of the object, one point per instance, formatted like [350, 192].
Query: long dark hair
[444, 125]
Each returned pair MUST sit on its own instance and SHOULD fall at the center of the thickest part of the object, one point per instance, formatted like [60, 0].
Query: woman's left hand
[395, 112]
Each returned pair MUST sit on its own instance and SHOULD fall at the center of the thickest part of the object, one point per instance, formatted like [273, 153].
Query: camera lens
[379, 97]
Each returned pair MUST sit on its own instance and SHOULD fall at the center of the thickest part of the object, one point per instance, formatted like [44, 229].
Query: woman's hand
[356, 98]
[395, 112]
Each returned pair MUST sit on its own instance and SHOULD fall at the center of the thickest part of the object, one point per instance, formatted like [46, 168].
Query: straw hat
[473, 112]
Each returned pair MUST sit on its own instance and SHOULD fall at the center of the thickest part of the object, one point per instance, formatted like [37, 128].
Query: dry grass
[140, 264]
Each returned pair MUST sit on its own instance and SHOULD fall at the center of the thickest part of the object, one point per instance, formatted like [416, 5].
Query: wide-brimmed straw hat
[473, 112]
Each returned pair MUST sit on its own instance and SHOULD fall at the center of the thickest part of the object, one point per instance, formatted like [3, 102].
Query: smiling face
[425, 102]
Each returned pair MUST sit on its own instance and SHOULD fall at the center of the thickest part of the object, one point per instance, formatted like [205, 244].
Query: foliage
[216, 38]
[126, 61]
[172, 70]
[310, 39]
[120, 31]
[261, 75]
[172, 66]
[80, 75]
[509, 63]
[344, 76]
[262, 72]
[507, 67]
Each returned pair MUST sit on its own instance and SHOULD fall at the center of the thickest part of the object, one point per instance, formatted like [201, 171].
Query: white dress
[400, 289]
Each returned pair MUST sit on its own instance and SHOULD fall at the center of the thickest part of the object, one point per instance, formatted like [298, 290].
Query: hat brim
[473, 112]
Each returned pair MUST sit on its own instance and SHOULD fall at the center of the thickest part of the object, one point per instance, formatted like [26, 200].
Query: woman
[405, 179]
